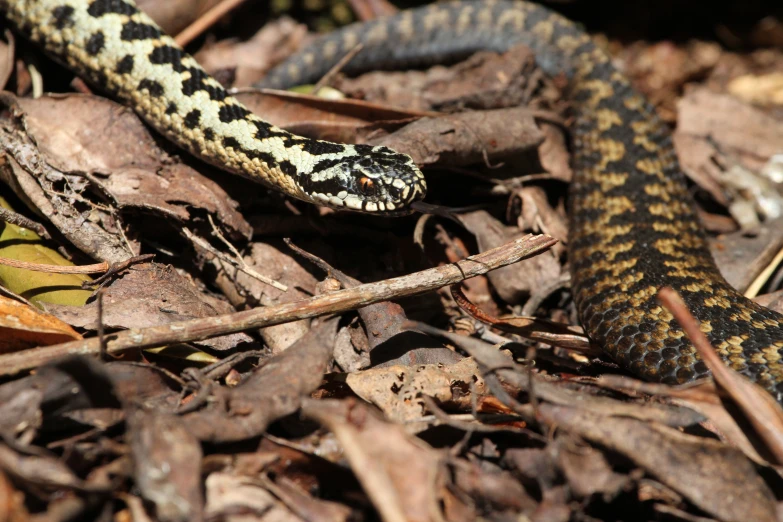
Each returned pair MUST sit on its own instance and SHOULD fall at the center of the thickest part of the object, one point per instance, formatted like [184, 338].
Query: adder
[633, 228]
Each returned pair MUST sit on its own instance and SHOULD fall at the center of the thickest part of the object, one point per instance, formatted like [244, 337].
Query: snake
[633, 228]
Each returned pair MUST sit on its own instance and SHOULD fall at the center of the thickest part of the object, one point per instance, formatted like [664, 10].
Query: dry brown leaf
[741, 258]
[12, 501]
[167, 465]
[718, 479]
[513, 283]
[587, 470]
[765, 89]
[6, 59]
[660, 70]
[272, 391]
[92, 135]
[399, 473]
[369, 9]
[228, 493]
[174, 15]
[466, 138]
[22, 326]
[486, 80]
[701, 397]
[736, 127]
[536, 214]
[553, 154]
[397, 390]
[248, 60]
[150, 294]
[326, 119]
[279, 263]
[45, 471]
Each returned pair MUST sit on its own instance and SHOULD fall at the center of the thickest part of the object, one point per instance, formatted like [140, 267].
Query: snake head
[367, 179]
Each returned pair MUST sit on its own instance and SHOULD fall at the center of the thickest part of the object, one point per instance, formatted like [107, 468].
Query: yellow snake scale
[633, 228]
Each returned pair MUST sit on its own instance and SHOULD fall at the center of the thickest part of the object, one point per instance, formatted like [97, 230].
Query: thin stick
[327, 78]
[205, 21]
[336, 302]
[9, 216]
[238, 263]
[101, 329]
[56, 269]
[116, 268]
[759, 407]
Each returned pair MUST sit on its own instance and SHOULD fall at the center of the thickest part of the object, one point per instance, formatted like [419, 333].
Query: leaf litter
[369, 367]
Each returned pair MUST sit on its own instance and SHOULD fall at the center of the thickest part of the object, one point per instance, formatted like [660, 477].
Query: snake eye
[366, 184]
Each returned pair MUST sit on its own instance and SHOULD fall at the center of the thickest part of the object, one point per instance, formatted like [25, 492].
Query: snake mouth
[391, 200]
[373, 180]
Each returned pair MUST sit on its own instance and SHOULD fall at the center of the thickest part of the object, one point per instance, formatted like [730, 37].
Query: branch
[335, 302]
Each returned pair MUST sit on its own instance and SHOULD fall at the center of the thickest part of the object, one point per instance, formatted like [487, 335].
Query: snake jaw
[366, 179]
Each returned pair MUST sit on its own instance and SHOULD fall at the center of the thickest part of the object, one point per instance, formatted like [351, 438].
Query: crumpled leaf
[103, 138]
[513, 283]
[227, 493]
[274, 390]
[249, 59]
[717, 478]
[397, 390]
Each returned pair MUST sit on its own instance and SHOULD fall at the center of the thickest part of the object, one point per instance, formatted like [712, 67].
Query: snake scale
[633, 228]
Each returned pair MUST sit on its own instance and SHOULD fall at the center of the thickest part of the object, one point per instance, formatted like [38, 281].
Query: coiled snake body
[633, 229]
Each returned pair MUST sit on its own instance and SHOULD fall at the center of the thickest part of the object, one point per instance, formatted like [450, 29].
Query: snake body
[633, 228]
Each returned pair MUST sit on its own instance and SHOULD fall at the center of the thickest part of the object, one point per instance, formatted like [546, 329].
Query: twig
[101, 330]
[9, 216]
[326, 79]
[344, 279]
[206, 20]
[201, 379]
[203, 387]
[237, 263]
[56, 269]
[242, 265]
[219, 369]
[757, 406]
[531, 328]
[336, 302]
[70, 269]
[116, 268]
[216, 231]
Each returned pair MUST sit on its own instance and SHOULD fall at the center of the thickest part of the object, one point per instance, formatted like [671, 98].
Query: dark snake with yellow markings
[633, 227]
